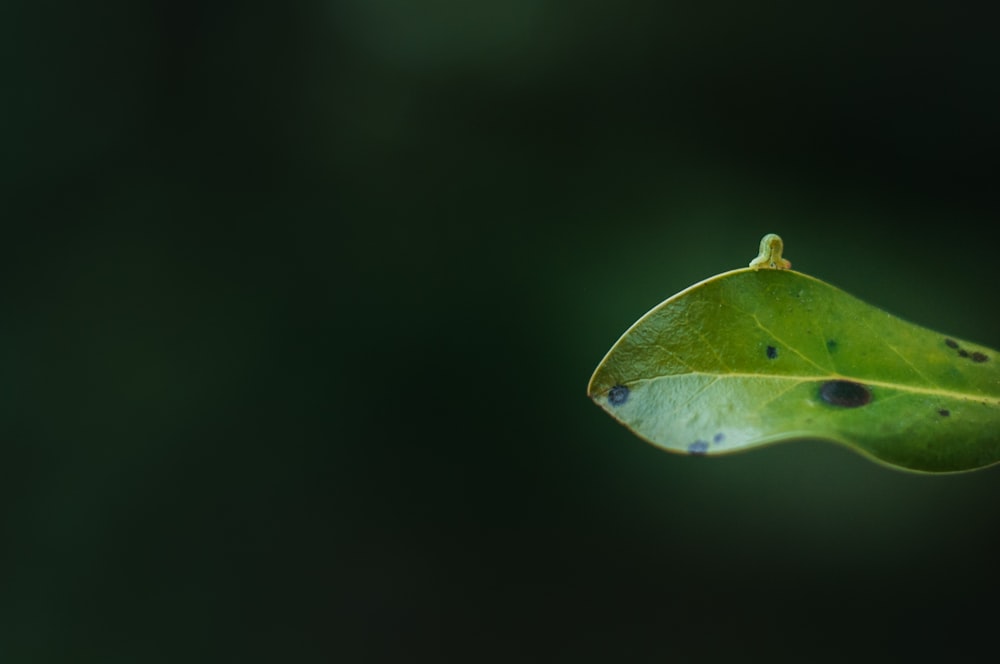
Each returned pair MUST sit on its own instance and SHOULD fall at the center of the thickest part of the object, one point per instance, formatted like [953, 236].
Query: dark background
[299, 302]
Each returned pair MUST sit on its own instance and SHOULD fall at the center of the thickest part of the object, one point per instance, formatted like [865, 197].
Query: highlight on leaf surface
[766, 354]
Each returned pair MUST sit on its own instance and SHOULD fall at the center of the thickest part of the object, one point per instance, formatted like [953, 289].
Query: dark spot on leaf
[618, 395]
[944, 412]
[831, 344]
[772, 352]
[718, 438]
[698, 447]
[975, 356]
[845, 393]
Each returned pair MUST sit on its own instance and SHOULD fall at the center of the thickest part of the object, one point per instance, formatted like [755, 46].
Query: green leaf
[758, 356]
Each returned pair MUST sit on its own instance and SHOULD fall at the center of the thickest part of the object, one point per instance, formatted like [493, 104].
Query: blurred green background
[300, 302]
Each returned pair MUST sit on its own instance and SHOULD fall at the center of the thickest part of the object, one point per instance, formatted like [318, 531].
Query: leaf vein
[967, 396]
[895, 350]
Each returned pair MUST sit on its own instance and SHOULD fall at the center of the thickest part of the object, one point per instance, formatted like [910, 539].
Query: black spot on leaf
[698, 447]
[944, 412]
[772, 352]
[618, 395]
[831, 344]
[718, 438]
[975, 356]
[845, 393]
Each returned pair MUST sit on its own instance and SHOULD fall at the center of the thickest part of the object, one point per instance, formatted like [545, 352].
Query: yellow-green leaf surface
[766, 354]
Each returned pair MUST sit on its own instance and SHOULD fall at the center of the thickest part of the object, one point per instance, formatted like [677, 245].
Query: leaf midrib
[968, 396]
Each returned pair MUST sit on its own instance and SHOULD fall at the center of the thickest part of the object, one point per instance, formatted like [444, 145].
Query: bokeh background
[300, 301]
